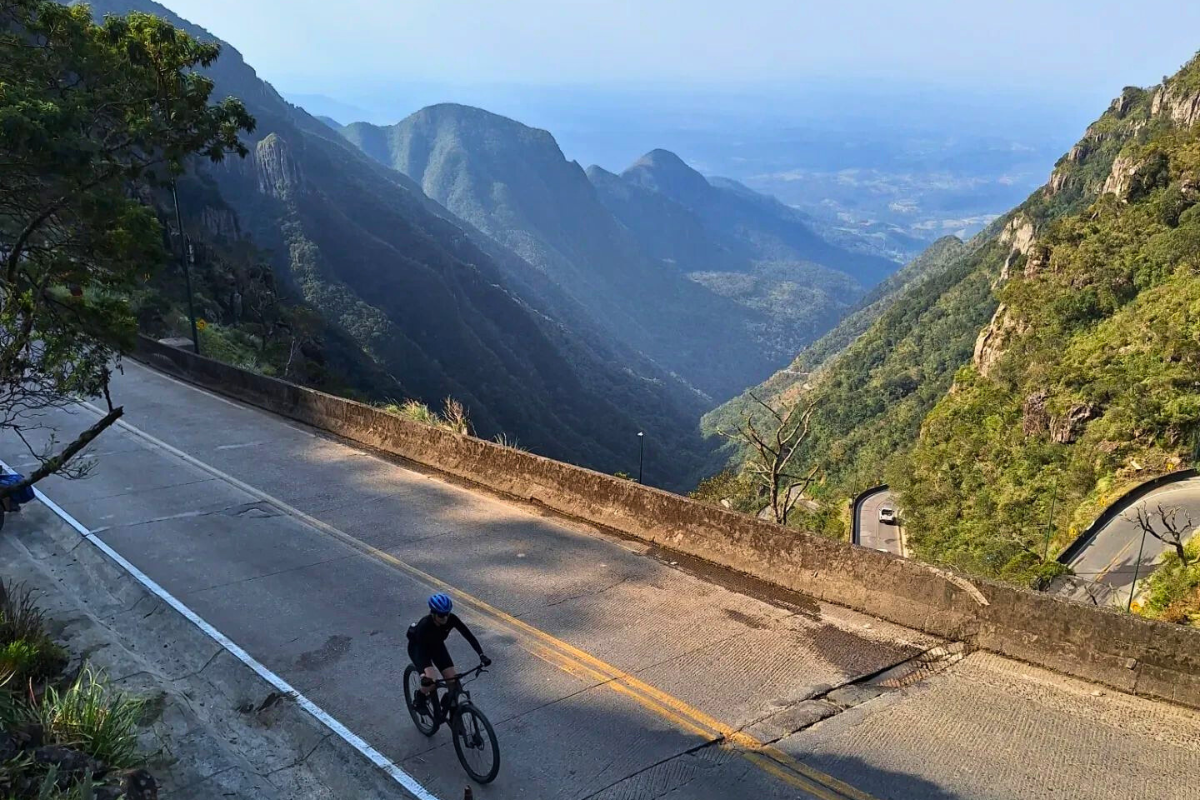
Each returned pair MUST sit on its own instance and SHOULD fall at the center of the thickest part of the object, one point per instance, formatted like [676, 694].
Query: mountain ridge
[514, 183]
[418, 290]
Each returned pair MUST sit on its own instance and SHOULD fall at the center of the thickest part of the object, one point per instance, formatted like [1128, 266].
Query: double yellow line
[567, 657]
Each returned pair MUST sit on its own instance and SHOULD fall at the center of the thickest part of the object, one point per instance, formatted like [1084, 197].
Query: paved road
[872, 532]
[1111, 558]
[618, 674]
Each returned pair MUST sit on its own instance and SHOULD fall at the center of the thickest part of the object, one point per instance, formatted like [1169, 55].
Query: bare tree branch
[774, 452]
[1174, 533]
[58, 462]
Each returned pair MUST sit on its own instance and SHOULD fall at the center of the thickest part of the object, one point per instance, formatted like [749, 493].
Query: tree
[93, 117]
[774, 450]
[1165, 525]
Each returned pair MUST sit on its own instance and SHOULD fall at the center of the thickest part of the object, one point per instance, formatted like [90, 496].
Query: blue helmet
[440, 604]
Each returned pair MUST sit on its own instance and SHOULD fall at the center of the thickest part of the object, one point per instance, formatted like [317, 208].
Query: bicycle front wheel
[476, 745]
[423, 719]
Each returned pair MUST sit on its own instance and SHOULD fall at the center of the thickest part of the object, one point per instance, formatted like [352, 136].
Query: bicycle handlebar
[445, 683]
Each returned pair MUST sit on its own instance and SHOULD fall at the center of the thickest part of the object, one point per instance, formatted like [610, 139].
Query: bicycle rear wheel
[425, 723]
[476, 745]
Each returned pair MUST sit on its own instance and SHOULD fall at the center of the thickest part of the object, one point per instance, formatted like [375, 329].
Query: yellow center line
[1114, 561]
[563, 655]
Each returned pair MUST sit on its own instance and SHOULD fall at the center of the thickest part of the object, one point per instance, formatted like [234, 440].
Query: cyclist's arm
[462, 628]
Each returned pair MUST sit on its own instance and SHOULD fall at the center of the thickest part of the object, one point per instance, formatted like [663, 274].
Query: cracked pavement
[618, 674]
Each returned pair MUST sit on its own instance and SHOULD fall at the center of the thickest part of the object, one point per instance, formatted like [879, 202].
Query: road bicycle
[474, 739]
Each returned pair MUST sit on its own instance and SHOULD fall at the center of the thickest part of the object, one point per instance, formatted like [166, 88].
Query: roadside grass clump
[453, 416]
[26, 651]
[60, 736]
[93, 717]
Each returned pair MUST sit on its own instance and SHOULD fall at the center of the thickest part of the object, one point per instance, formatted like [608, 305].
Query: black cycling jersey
[427, 641]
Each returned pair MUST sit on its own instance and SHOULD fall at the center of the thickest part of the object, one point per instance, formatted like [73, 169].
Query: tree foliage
[92, 116]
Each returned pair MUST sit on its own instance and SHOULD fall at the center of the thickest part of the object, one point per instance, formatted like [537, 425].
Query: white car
[887, 515]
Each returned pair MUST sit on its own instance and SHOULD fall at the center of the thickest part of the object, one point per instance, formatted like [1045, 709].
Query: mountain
[800, 299]
[752, 225]
[426, 295]
[513, 183]
[1045, 368]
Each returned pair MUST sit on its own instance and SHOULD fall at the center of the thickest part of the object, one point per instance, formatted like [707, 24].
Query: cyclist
[427, 646]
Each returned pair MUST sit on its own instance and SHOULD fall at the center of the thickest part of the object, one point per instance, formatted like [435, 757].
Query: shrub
[1172, 593]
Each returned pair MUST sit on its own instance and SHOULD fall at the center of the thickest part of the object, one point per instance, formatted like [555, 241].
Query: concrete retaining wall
[1125, 652]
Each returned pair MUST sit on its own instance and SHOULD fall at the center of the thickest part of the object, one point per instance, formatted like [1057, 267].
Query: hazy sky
[1094, 45]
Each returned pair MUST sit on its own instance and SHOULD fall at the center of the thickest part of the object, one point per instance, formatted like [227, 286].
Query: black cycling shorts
[436, 654]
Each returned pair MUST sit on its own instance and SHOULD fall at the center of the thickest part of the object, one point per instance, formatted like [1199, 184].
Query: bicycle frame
[454, 686]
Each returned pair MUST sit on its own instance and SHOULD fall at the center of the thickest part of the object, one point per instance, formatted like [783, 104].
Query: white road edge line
[401, 777]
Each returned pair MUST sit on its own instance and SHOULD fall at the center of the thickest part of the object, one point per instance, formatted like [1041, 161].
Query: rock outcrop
[1177, 102]
[1066, 429]
[993, 339]
[220, 222]
[277, 173]
[1120, 177]
[1018, 234]
[1035, 418]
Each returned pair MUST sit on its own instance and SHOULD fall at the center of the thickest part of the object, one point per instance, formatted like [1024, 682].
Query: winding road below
[885, 536]
[1109, 563]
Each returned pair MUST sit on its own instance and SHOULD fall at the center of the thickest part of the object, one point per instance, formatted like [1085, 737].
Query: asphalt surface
[1111, 560]
[617, 675]
[873, 533]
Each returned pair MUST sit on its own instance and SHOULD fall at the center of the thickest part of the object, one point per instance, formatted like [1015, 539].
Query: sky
[1094, 46]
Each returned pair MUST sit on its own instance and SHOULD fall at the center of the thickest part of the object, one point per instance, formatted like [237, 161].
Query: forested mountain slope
[513, 183]
[1054, 361]
[785, 383]
[416, 290]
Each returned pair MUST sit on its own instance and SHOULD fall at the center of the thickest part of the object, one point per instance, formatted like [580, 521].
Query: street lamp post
[187, 272]
[1136, 565]
[641, 453]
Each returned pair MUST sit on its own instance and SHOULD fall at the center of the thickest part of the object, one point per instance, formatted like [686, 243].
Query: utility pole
[1050, 521]
[641, 453]
[188, 255]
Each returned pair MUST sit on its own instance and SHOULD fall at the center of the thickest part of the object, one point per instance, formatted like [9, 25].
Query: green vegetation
[1096, 387]
[26, 652]
[1084, 382]
[59, 732]
[1172, 593]
[88, 112]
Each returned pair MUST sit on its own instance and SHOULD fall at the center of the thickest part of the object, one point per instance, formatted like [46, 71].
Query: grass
[453, 416]
[19, 617]
[1172, 593]
[85, 714]
[26, 651]
[94, 717]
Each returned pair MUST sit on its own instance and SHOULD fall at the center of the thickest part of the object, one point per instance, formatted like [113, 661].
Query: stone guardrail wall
[1125, 652]
[1114, 508]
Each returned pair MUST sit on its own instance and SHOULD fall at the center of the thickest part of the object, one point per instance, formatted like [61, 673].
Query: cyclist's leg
[443, 663]
[427, 669]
